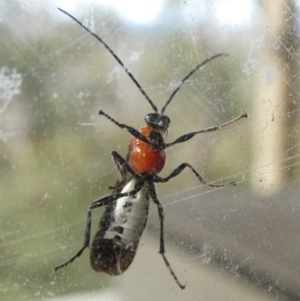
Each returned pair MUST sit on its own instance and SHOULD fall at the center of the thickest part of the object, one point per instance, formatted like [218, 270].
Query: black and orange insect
[126, 208]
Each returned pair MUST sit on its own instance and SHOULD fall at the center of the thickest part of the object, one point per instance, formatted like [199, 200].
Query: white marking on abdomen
[130, 214]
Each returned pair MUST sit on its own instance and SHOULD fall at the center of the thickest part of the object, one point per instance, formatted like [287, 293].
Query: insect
[126, 208]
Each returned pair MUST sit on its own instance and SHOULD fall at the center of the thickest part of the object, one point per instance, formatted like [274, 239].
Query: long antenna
[190, 74]
[116, 57]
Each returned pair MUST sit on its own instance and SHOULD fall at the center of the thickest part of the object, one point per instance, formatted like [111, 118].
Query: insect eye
[157, 121]
[165, 120]
[152, 119]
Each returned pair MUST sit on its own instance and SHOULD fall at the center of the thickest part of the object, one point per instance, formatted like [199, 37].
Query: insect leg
[122, 167]
[132, 131]
[160, 208]
[189, 136]
[179, 169]
[99, 203]
[135, 133]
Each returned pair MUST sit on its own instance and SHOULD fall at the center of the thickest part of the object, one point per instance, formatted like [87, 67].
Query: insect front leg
[160, 209]
[189, 136]
[132, 131]
[179, 169]
[135, 133]
[97, 204]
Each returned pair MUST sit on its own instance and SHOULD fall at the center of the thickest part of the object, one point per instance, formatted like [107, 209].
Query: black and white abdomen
[130, 216]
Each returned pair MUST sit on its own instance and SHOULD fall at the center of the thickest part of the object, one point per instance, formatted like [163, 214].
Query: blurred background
[235, 243]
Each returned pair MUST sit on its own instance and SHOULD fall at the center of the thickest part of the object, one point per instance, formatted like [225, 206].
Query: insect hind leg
[160, 209]
[70, 260]
[87, 234]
